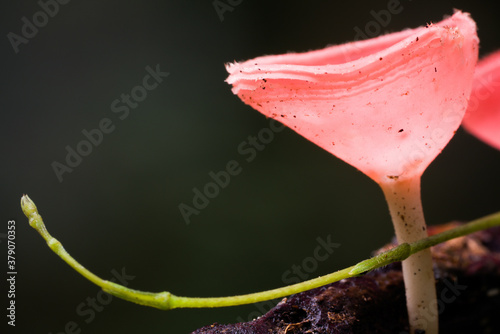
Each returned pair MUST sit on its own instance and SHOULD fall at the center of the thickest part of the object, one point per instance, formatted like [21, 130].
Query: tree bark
[467, 272]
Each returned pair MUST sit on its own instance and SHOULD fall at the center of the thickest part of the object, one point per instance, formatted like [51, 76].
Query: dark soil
[467, 274]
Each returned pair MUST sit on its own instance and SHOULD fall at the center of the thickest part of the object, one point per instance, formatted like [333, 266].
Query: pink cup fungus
[483, 114]
[387, 106]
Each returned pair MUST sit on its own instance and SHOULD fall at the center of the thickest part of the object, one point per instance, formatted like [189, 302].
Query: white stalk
[405, 206]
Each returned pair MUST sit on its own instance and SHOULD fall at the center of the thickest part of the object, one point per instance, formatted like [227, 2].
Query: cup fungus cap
[386, 105]
[483, 113]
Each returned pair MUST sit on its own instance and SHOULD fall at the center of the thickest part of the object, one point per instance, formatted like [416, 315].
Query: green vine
[166, 301]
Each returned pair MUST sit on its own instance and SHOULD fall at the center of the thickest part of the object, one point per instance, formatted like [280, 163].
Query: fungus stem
[166, 300]
[405, 206]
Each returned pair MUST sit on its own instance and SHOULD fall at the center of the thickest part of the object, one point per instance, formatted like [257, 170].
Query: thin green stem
[460, 231]
[167, 301]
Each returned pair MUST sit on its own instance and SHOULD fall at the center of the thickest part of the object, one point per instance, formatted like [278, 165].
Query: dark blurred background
[119, 207]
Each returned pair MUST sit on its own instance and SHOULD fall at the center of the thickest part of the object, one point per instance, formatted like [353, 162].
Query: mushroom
[482, 118]
[387, 106]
